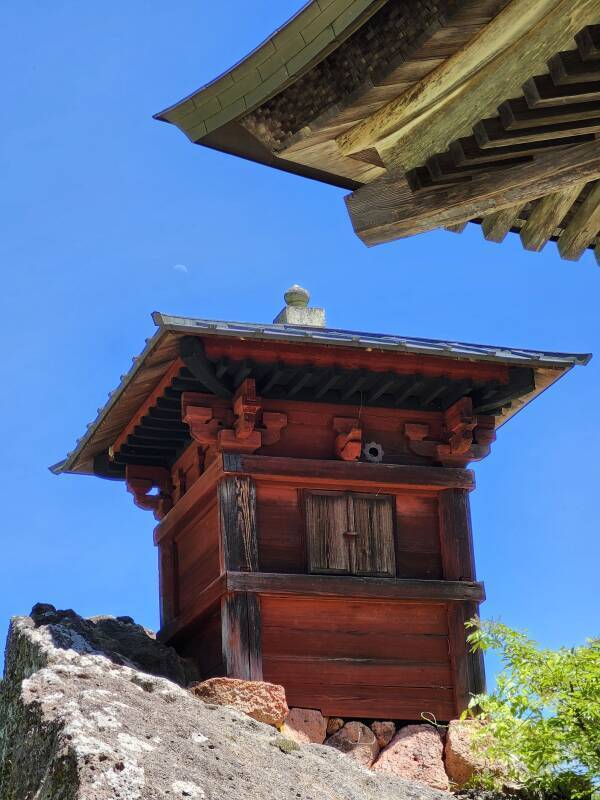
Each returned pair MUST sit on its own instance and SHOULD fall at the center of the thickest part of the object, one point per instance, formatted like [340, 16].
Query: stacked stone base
[439, 757]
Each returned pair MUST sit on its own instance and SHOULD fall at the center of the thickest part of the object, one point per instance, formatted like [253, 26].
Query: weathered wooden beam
[352, 586]
[240, 627]
[386, 209]
[542, 92]
[497, 225]
[456, 538]
[457, 228]
[517, 115]
[588, 42]
[237, 505]
[472, 83]
[194, 358]
[545, 215]
[569, 67]
[490, 133]
[346, 472]
[583, 228]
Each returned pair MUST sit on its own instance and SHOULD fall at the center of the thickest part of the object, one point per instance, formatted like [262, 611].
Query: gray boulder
[87, 714]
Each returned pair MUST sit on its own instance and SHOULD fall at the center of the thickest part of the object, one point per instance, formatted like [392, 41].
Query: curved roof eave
[303, 41]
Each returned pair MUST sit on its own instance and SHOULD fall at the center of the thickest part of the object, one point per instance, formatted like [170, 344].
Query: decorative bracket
[141, 480]
[467, 437]
[348, 442]
[236, 430]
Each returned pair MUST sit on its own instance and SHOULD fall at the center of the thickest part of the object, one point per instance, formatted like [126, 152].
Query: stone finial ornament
[297, 296]
[297, 311]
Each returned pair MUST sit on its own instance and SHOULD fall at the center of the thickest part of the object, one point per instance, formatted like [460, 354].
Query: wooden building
[312, 496]
[433, 113]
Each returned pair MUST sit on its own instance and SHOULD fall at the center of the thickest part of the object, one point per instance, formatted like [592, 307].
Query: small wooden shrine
[433, 114]
[312, 497]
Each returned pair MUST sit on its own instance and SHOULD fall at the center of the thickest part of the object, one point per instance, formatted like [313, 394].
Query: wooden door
[374, 552]
[326, 526]
[350, 533]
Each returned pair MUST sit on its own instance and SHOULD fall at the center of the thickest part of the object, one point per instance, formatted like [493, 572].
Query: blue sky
[100, 203]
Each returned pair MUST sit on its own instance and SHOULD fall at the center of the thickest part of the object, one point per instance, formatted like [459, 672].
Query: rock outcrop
[97, 710]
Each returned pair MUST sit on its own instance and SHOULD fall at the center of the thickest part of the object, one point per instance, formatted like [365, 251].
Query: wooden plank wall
[198, 555]
[359, 658]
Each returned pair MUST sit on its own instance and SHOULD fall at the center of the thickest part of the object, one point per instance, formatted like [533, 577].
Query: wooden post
[240, 626]
[167, 575]
[237, 503]
[240, 611]
[458, 564]
[458, 561]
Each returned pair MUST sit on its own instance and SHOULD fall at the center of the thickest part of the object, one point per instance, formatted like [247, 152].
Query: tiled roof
[381, 341]
[162, 348]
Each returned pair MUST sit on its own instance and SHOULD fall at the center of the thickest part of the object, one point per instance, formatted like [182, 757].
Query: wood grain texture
[546, 215]
[237, 505]
[240, 625]
[359, 657]
[497, 225]
[349, 473]
[456, 537]
[353, 586]
[583, 228]
[466, 87]
[387, 210]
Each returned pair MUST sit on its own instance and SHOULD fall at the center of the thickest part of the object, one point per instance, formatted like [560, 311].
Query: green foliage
[544, 715]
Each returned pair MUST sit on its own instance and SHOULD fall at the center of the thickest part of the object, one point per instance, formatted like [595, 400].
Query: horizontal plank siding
[359, 657]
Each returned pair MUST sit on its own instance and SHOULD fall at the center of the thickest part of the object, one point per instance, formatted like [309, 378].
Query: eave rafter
[530, 169]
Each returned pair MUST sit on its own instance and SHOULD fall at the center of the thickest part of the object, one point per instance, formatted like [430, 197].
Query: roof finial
[297, 311]
[296, 296]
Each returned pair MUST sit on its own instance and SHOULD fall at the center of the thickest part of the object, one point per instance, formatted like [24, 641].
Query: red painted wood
[351, 358]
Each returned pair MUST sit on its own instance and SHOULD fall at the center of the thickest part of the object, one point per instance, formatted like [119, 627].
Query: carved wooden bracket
[141, 480]
[467, 437]
[243, 429]
[348, 442]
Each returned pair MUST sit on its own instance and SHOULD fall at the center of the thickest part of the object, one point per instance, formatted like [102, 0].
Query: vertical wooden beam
[167, 577]
[240, 611]
[458, 563]
[459, 655]
[237, 504]
[456, 538]
[240, 627]
[476, 666]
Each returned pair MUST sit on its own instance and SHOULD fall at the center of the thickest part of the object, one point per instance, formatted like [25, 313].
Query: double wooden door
[350, 533]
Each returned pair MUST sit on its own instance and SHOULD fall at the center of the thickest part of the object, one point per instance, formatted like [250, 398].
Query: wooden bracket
[141, 480]
[348, 442]
[235, 430]
[467, 437]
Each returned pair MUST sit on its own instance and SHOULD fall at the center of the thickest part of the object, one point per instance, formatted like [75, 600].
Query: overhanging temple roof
[433, 113]
[183, 355]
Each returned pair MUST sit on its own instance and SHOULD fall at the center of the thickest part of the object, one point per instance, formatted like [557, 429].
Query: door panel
[326, 524]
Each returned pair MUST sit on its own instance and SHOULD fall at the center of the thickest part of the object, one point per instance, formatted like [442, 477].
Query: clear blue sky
[100, 203]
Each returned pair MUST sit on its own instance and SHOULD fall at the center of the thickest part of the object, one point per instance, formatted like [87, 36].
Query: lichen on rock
[85, 714]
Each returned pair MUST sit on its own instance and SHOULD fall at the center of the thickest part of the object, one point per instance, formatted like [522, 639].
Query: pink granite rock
[384, 731]
[462, 756]
[356, 741]
[415, 754]
[262, 701]
[334, 724]
[305, 725]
